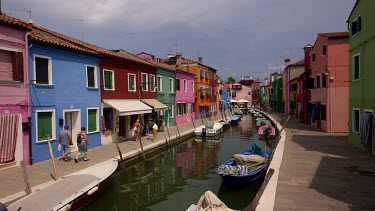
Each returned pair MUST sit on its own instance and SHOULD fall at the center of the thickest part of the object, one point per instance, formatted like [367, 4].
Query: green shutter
[107, 80]
[92, 120]
[44, 125]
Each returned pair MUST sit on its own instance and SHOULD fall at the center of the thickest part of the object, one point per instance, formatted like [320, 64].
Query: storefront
[119, 117]
[157, 113]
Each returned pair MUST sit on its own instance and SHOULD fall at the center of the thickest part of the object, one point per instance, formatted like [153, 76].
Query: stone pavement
[321, 171]
[12, 185]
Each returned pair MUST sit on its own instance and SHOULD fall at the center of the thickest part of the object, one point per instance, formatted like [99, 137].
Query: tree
[231, 80]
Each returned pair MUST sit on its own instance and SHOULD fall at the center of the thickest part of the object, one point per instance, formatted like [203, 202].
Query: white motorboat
[71, 192]
[209, 129]
[209, 201]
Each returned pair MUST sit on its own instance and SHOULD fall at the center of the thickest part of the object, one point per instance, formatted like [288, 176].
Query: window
[159, 87]
[11, 66]
[177, 84]
[43, 70]
[249, 93]
[356, 26]
[108, 80]
[45, 122]
[192, 107]
[355, 120]
[323, 112]
[201, 73]
[153, 84]
[192, 86]
[233, 94]
[171, 111]
[92, 120]
[324, 49]
[324, 80]
[144, 82]
[171, 85]
[179, 109]
[206, 74]
[310, 84]
[318, 81]
[314, 57]
[356, 67]
[108, 118]
[185, 85]
[132, 81]
[91, 76]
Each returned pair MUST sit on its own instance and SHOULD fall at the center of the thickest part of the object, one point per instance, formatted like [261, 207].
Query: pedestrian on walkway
[149, 126]
[82, 143]
[137, 130]
[155, 129]
[65, 139]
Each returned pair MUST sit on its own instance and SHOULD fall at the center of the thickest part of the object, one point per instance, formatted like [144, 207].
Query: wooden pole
[256, 199]
[140, 143]
[168, 132]
[202, 119]
[122, 165]
[52, 157]
[178, 131]
[192, 120]
[25, 178]
[167, 141]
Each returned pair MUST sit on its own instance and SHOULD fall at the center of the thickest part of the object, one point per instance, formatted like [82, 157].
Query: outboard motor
[203, 131]
[267, 132]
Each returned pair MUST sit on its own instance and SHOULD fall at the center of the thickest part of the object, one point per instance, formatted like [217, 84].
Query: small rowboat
[233, 174]
[262, 129]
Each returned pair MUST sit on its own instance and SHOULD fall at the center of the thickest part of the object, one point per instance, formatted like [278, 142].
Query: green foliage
[231, 80]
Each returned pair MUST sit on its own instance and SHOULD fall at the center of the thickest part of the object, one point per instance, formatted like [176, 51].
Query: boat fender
[204, 131]
[65, 208]
[92, 191]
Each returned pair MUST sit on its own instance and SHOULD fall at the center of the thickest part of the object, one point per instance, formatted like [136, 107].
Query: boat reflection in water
[175, 178]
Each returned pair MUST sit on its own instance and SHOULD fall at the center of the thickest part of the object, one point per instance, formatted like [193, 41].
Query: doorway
[72, 118]
[370, 147]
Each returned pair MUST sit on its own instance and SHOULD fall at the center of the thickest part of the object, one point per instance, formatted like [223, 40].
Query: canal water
[176, 178]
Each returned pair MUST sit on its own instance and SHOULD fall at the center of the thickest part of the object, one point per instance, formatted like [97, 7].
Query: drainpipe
[28, 95]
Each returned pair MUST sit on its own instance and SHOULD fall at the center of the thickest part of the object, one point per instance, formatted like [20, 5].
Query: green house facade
[166, 93]
[361, 24]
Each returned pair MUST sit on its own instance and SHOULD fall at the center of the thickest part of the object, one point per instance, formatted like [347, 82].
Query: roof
[355, 5]
[4, 18]
[335, 34]
[129, 56]
[299, 63]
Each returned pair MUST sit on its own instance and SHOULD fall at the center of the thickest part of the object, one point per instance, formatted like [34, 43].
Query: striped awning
[158, 106]
[8, 136]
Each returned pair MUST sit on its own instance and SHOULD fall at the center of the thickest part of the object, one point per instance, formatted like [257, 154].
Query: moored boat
[71, 192]
[209, 129]
[262, 132]
[263, 122]
[209, 201]
[238, 111]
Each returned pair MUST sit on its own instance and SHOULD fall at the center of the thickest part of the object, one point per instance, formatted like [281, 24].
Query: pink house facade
[14, 97]
[330, 74]
[186, 95]
[241, 92]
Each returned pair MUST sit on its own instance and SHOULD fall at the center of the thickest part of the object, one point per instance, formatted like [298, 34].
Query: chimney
[307, 58]
[287, 62]
[266, 81]
[178, 59]
[200, 60]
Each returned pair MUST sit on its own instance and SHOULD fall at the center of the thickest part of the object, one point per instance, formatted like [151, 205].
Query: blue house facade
[64, 89]
[225, 99]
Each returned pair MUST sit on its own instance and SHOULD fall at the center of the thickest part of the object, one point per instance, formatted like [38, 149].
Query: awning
[243, 101]
[158, 106]
[129, 107]
[202, 104]
[233, 101]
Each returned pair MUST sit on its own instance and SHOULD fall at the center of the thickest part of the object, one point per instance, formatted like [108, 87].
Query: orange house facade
[330, 75]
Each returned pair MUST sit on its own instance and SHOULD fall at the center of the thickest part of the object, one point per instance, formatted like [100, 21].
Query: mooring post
[168, 132]
[25, 178]
[192, 120]
[140, 143]
[52, 157]
[122, 165]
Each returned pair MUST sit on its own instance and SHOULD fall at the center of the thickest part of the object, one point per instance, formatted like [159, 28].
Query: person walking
[137, 130]
[82, 143]
[65, 139]
[149, 129]
[155, 129]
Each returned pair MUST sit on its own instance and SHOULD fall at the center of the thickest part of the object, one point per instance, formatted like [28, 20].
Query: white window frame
[113, 79]
[135, 82]
[53, 120]
[185, 85]
[359, 119]
[159, 87]
[146, 82]
[171, 85]
[355, 20]
[172, 111]
[192, 86]
[359, 67]
[154, 82]
[95, 77]
[49, 69]
[97, 119]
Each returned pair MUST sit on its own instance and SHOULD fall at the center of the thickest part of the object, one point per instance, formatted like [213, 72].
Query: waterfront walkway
[321, 171]
[12, 185]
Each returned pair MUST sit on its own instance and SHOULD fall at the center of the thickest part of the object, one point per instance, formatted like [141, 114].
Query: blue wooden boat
[234, 180]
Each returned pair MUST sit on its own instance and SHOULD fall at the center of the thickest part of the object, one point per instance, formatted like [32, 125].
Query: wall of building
[68, 93]
[187, 97]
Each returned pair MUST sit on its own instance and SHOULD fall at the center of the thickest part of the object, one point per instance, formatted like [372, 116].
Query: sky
[237, 37]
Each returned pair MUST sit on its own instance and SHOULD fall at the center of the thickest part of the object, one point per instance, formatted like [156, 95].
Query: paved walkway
[12, 185]
[321, 171]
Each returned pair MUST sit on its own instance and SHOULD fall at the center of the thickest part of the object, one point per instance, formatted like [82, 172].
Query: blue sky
[238, 37]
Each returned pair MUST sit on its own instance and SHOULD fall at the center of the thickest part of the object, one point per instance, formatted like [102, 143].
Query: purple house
[185, 97]
[14, 103]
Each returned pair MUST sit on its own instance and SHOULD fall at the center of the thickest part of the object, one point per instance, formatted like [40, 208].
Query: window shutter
[44, 125]
[6, 66]
[107, 79]
[178, 84]
[18, 67]
[92, 120]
